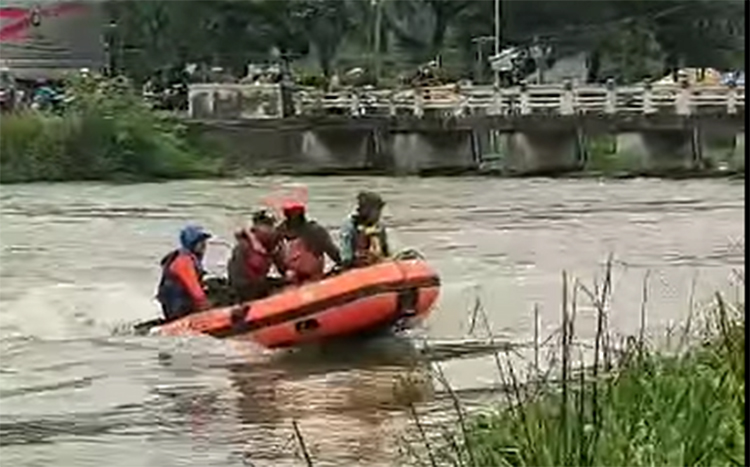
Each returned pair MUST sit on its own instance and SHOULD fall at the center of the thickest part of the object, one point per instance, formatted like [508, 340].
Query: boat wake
[69, 311]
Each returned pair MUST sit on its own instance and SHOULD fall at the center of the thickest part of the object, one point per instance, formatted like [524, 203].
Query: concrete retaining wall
[540, 151]
[414, 152]
[345, 145]
[664, 149]
[338, 149]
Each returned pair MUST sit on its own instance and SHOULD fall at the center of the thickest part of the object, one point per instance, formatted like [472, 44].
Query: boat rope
[408, 254]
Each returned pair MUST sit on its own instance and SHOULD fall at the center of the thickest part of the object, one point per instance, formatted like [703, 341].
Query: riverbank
[639, 405]
[107, 133]
[104, 132]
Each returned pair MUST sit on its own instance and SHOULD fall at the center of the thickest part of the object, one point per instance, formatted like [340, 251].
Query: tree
[325, 24]
[167, 34]
[420, 26]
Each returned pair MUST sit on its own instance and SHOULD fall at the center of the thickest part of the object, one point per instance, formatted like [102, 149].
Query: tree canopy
[627, 38]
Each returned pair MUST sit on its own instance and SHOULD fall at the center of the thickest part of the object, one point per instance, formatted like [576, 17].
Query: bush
[105, 132]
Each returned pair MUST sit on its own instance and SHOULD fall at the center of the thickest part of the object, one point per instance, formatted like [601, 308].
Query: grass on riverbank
[639, 407]
[106, 132]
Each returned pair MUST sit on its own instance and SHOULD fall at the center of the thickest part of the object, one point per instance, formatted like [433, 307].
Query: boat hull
[394, 293]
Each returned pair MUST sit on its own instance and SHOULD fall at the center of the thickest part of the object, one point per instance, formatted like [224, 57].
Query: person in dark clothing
[180, 291]
[363, 238]
[305, 245]
[256, 251]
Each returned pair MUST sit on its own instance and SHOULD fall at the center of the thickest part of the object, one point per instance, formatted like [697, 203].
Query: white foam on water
[65, 311]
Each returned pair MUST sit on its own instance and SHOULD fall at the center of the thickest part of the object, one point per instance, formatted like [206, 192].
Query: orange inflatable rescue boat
[393, 293]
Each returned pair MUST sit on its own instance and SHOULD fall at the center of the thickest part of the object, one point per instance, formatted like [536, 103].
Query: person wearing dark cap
[180, 290]
[305, 245]
[363, 238]
[256, 251]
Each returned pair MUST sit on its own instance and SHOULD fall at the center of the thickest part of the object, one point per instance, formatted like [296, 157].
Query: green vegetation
[602, 156]
[105, 132]
[625, 39]
[639, 406]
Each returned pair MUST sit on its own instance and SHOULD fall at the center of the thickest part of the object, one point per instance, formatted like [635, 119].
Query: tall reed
[645, 407]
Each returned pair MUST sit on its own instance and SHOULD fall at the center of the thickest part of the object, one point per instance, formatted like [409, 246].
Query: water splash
[65, 311]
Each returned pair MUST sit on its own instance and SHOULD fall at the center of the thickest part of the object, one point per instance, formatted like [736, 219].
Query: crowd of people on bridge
[296, 247]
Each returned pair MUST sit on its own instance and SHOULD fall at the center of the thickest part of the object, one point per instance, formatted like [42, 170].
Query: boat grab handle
[306, 325]
[407, 301]
[237, 315]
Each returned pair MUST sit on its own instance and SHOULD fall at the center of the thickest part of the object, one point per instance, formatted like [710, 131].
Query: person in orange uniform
[180, 289]
[306, 243]
[256, 251]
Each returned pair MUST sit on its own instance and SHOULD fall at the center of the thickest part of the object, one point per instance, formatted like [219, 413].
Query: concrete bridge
[524, 129]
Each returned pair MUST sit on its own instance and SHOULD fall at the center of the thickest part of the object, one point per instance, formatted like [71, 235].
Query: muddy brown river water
[79, 262]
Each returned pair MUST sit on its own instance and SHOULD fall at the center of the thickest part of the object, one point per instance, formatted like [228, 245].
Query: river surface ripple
[80, 261]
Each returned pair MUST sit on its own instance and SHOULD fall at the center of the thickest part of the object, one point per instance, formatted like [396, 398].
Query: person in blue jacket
[181, 290]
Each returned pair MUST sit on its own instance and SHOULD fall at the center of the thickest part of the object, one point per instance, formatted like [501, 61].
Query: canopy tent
[705, 76]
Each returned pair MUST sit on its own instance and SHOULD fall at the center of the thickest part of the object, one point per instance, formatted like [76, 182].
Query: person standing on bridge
[363, 238]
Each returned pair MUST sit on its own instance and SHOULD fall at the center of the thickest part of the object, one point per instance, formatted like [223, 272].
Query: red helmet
[293, 207]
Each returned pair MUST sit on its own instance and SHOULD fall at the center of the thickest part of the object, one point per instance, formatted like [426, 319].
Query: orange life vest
[368, 246]
[301, 262]
[257, 259]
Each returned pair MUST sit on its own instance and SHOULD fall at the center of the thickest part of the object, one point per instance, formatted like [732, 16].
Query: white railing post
[317, 100]
[463, 102]
[392, 103]
[191, 106]
[566, 99]
[682, 102]
[610, 99]
[296, 101]
[497, 100]
[211, 101]
[732, 98]
[524, 98]
[648, 98]
[280, 101]
[419, 102]
[354, 103]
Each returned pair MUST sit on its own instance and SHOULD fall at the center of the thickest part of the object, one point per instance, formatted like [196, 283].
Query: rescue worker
[305, 245]
[257, 249]
[363, 238]
[180, 289]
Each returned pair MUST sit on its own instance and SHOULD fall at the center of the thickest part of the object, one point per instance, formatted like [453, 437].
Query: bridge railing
[562, 99]
[250, 101]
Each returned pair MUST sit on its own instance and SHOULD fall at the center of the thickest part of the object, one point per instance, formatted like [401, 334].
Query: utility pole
[110, 50]
[480, 41]
[497, 39]
[376, 35]
[480, 63]
[537, 53]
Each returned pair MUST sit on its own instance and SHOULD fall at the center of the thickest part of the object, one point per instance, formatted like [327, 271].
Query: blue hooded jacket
[174, 298]
[192, 234]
